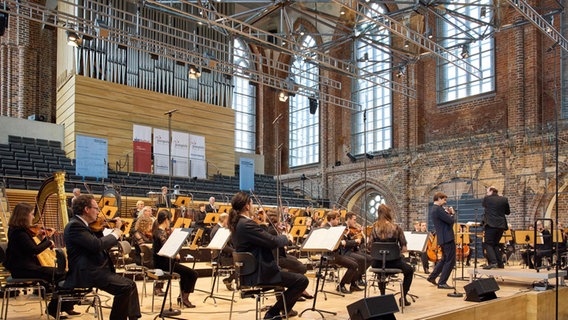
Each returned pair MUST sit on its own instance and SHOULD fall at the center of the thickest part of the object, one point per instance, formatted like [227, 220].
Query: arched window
[466, 39]
[304, 125]
[374, 117]
[373, 202]
[244, 100]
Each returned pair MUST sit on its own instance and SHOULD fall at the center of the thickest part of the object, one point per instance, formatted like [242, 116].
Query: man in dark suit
[164, 200]
[443, 220]
[90, 264]
[495, 223]
[248, 236]
[210, 207]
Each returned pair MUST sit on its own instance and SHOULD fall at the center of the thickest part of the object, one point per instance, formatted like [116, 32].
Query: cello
[433, 249]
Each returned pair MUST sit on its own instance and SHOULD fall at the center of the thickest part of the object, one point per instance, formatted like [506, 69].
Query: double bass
[433, 249]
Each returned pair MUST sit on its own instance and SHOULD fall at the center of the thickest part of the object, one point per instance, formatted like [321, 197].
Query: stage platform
[516, 300]
[524, 274]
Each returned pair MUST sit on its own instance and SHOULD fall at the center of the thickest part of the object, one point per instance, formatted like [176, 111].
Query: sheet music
[324, 239]
[416, 241]
[174, 243]
[220, 239]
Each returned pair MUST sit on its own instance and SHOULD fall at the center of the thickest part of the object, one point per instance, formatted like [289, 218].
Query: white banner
[180, 153]
[161, 152]
[141, 133]
[197, 156]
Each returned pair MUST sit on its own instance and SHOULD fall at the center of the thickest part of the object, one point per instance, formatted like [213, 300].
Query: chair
[133, 269]
[245, 264]
[77, 295]
[385, 252]
[14, 285]
[152, 274]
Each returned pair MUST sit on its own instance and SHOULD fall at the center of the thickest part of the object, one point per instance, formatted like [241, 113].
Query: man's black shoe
[355, 288]
[270, 316]
[342, 289]
[444, 286]
[53, 313]
[307, 295]
[432, 281]
[72, 312]
[291, 313]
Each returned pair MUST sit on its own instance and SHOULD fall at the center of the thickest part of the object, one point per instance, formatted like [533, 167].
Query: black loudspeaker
[3, 23]
[313, 105]
[373, 308]
[481, 290]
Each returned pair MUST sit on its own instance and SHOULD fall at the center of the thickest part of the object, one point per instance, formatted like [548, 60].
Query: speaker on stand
[373, 308]
[481, 290]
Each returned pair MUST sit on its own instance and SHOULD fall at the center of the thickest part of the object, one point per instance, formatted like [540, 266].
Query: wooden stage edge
[531, 305]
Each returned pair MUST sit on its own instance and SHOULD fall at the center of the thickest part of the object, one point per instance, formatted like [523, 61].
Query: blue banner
[91, 157]
[246, 176]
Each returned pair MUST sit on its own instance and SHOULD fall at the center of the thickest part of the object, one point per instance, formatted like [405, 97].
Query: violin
[354, 233]
[39, 230]
[102, 222]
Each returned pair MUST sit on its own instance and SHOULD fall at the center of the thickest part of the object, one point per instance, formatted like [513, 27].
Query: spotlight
[428, 33]
[401, 71]
[72, 39]
[194, 73]
[369, 156]
[282, 96]
[465, 51]
[351, 157]
[483, 12]
[406, 44]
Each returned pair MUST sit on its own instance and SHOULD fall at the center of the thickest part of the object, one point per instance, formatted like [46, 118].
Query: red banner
[142, 156]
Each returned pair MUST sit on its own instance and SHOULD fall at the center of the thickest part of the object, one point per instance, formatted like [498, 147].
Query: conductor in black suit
[495, 223]
[90, 264]
[443, 220]
[248, 236]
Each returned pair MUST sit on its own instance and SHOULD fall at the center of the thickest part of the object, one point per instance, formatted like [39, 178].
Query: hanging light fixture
[282, 96]
[465, 51]
[194, 73]
[73, 39]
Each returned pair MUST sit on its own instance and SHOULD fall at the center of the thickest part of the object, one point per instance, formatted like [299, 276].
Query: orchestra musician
[188, 276]
[210, 207]
[142, 235]
[495, 223]
[352, 274]
[443, 220]
[22, 252]
[248, 236]
[356, 234]
[139, 207]
[542, 250]
[164, 200]
[385, 230]
[423, 228]
[285, 261]
[90, 264]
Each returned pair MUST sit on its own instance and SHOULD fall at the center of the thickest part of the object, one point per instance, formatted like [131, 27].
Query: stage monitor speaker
[373, 308]
[481, 290]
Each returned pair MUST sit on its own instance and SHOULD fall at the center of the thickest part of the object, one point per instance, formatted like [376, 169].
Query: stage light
[465, 51]
[73, 39]
[351, 157]
[194, 73]
[282, 96]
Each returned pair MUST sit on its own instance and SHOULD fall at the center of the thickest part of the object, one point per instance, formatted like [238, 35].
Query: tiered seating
[26, 162]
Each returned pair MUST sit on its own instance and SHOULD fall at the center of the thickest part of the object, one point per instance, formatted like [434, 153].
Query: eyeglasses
[96, 208]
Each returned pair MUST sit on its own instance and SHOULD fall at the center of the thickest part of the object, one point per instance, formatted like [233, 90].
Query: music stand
[109, 211]
[322, 240]
[182, 201]
[107, 201]
[211, 218]
[298, 232]
[224, 209]
[462, 241]
[182, 223]
[218, 242]
[127, 223]
[170, 249]
[527, 237]
[300, 221]
[416, 243]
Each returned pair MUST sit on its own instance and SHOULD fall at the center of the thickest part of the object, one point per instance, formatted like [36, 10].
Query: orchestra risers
[532, 305]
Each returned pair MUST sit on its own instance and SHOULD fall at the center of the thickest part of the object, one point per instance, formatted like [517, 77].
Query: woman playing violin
[22, 251]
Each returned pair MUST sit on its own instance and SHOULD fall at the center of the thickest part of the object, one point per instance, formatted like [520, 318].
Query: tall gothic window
[374, 117]
[466, 39]
[244, 100]
[304, 125]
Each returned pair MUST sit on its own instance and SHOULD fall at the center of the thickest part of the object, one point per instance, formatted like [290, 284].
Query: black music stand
[322, 240]
[218, 242]
[416, 245]
[170, 249]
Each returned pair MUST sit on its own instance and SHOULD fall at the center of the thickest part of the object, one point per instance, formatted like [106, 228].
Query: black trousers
[406, 268]
[295, 284]
[444, 267]
[352, 268]
[292, 264]
[363, 262]
[125, 304]
[491, 245]
[188, 277]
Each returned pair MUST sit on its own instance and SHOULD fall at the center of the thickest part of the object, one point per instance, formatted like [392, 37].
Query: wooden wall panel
[108, 110]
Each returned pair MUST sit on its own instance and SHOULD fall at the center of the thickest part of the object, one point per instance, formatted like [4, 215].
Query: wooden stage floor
[515, 300]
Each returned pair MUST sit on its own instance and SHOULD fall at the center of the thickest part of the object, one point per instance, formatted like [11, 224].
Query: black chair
[386, 252]
[151, 274]
[245, 264]
[77, 295]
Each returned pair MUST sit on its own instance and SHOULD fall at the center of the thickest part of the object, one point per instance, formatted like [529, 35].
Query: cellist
[22, 252]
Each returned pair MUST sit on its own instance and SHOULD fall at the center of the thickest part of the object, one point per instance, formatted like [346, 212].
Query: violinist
[90, 265]
[352, 273]
[225, 257]
[188, 276]
[443, 222]
[22, 251]
[356, 238]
